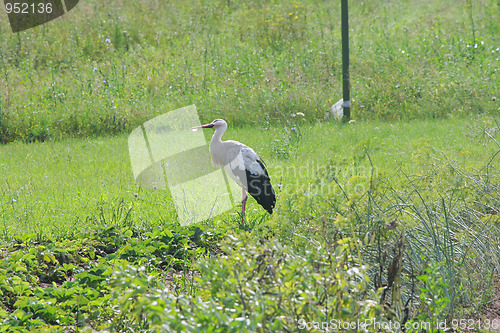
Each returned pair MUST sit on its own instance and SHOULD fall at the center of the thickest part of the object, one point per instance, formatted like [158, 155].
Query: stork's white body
[226, 154]
[243, 165]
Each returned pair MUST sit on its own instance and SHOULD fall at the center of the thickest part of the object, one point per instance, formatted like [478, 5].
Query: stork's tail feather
[259, 187]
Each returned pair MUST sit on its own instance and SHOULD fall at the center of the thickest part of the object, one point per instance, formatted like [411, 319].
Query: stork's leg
[243, 203]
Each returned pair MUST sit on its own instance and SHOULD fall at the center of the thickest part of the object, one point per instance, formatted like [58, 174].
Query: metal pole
[345, 61]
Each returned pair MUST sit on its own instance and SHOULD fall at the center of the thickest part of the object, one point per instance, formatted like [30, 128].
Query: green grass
[246, 62]
[59, 187]
[77, 240]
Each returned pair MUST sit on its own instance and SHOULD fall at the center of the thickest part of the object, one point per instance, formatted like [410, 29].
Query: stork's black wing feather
[259, 186]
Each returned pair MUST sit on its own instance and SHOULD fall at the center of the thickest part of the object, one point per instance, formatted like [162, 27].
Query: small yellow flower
[296, 17]
[290, 14]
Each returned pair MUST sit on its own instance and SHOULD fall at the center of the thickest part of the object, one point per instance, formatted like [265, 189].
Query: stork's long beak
[203, 126]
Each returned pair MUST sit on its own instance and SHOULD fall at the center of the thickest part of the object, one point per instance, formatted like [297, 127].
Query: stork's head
[214, 124]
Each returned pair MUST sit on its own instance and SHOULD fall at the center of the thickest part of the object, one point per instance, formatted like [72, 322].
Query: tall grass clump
[430, 240]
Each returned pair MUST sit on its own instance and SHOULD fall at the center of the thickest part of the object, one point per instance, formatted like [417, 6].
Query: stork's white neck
[219, 131]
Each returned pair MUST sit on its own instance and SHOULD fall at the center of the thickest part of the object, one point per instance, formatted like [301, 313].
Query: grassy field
[362, 184]
[393, 218]
[105, 68]
[60, 187]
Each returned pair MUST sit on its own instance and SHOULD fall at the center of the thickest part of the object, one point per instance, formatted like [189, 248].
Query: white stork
[243, 165]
